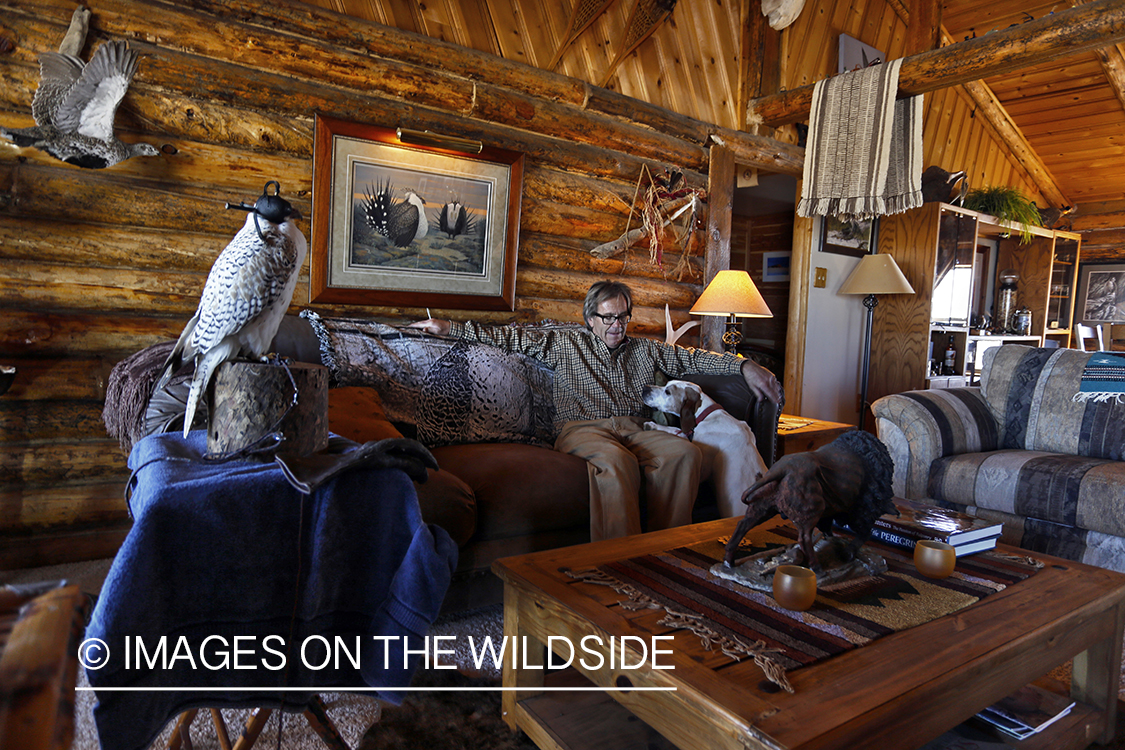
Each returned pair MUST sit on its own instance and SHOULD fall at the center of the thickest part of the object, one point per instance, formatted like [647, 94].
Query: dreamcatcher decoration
[671, 215]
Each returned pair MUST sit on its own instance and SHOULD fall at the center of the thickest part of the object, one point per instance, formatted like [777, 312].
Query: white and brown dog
[730, 450]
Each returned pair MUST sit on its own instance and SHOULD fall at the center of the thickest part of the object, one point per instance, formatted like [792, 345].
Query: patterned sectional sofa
[1024, 448]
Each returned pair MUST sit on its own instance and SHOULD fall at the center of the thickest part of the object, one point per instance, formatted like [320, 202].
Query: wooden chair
[40, 627]
[315, 714]
[1085, 333]
[1115, 342]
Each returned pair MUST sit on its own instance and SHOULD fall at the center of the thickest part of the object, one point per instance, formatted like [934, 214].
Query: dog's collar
[707, 412]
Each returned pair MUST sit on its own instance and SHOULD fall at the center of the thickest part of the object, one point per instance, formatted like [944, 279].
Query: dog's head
[677, 397]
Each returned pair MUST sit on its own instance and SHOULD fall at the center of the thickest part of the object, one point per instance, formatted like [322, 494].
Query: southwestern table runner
[744, 622]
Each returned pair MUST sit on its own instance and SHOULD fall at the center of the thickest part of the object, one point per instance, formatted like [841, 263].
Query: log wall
[95, 265]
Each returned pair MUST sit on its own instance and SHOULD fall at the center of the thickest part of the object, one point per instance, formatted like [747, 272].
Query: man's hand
[430, 325]
[762, 382]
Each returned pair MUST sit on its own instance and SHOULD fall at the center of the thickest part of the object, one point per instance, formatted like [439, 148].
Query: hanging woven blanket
[1103, 379]
[744, 623]
[864, 152]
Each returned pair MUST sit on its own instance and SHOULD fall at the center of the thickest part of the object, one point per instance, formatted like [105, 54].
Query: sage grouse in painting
[453, 219]
[74, 107]
[246, 295]
[401, 222]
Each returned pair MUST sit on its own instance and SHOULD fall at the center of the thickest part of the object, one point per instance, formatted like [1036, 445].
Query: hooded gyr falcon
[246, 295]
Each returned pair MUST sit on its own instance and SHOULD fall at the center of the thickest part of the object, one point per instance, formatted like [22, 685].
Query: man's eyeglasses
[623, 318]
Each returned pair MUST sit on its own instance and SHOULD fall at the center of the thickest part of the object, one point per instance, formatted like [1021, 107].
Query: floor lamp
[732, 295]
[875, 274]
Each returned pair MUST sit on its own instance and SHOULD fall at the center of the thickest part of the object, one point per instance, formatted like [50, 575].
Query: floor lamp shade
[875, 274]
[732, 295]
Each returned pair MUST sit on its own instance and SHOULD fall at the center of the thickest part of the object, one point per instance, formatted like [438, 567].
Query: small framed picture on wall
[854, 237]
[775, 266]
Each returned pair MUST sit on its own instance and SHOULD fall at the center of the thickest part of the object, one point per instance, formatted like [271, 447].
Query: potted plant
[1009, 205]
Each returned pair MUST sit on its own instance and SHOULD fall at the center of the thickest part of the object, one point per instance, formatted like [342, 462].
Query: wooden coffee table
[900, 691]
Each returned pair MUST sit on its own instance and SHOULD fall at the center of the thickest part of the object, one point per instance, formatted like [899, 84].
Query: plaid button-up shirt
[591, 380]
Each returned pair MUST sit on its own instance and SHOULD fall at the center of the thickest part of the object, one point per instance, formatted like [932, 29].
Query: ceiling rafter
[1066, 33]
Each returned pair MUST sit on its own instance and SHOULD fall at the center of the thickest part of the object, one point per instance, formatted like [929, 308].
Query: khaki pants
[626, 461]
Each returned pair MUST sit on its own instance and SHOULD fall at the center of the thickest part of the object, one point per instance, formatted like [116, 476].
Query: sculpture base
[756, 571]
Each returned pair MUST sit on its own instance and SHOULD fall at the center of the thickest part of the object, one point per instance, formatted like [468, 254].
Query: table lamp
[875, 274]
[732, 294]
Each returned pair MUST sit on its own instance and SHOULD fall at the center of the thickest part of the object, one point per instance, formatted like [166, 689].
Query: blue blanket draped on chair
[231, 550]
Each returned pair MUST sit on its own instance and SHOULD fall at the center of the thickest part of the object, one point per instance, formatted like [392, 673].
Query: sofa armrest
[919, 427]
[732, 393]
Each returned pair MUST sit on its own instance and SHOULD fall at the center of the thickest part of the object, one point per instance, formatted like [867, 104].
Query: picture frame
[369, 245]
[855, 237]
[775, 266]
[1101, 294]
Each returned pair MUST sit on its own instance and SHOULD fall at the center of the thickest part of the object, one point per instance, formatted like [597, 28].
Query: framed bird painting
[412, 218]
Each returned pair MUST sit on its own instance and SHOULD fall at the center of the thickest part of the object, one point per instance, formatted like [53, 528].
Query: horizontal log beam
[1085, 28]
[44, 465]
[55, 545]
[107, 333]
[35, 508]
[68, 378]
[1089, 216]
[70, 420]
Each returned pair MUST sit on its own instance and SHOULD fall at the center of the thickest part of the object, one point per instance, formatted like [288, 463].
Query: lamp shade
[732, 293]
[876, 274]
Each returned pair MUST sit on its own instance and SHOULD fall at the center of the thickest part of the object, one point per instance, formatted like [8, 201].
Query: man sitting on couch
[599, 375]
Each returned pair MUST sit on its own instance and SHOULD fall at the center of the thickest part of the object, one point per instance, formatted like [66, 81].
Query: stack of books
[918, 520]
[1028, 711]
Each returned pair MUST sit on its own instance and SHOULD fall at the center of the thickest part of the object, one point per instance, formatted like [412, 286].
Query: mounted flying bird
[401, 222]
[75, 103]
[246, 295]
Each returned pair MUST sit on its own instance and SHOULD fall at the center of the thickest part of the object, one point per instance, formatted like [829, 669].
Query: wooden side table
[798, 434]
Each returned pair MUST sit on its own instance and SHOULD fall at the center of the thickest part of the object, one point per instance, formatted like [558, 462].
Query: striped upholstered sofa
[1019, 449]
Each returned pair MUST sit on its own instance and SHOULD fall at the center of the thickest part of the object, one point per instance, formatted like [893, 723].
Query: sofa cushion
[444, 391]
[1072, 490]
[357, 413]
[1031, 393]
[520, 489]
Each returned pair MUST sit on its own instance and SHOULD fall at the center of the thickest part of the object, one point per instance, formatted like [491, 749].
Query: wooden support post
[720, 204]
[1087, 27]
[923, 30]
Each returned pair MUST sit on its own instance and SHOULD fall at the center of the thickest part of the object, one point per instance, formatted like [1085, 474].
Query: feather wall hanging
[660, 201]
